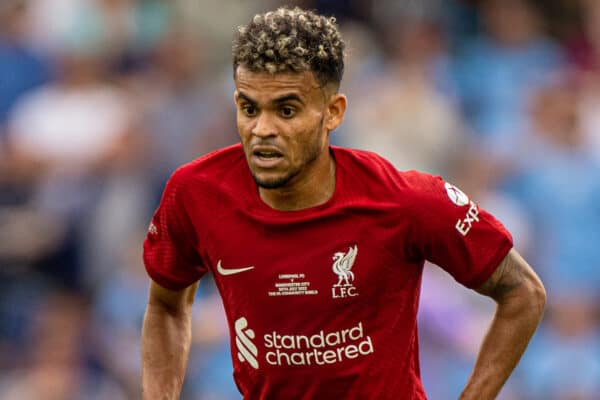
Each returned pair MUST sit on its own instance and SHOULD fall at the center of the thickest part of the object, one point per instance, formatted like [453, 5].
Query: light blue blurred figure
[559, 186]
[21, 67]
[563, 361]
[118, 315]
[498, 71]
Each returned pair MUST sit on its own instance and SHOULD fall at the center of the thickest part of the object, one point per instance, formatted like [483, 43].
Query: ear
[336, 109]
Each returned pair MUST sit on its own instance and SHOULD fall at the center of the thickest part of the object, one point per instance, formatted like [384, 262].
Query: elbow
[539, 296]
[542, 296]
[529, 301]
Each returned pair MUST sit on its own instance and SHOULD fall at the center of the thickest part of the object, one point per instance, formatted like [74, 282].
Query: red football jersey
[322, 302]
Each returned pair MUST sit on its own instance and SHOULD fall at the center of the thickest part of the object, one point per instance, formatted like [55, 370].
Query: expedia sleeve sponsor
[464, 225]
[450, 230]
[319, 349]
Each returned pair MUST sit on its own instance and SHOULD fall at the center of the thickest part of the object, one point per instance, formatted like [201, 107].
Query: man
[317, 251]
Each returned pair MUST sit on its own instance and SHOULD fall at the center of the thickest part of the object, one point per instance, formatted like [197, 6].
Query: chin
[271, 182]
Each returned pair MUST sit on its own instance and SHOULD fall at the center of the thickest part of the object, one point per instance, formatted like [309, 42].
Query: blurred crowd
[100, 100]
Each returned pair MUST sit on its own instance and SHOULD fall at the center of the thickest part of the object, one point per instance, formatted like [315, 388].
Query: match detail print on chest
[336, 281]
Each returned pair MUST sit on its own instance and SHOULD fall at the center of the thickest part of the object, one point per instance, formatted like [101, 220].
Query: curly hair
[291, 40]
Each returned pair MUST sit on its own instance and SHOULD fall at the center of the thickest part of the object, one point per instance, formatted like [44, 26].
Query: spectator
[72, 134]
[414, 125]
[116, 27]
[560, 189]
[185, 117]
[118, 312]
[54, 366]
[498, 72]
[564, 361]
[21, 67]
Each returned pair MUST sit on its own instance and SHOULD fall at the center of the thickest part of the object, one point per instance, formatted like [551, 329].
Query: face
[284, 122]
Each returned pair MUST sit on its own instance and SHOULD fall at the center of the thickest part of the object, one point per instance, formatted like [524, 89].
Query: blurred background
[100, 100]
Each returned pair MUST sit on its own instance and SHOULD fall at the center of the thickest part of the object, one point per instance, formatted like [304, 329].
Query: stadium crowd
[100, 100]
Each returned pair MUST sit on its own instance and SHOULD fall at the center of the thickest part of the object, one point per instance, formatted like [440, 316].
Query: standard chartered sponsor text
[318, 349]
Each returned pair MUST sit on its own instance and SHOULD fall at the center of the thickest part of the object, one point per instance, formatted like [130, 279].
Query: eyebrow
[278, 100]
[288, 97]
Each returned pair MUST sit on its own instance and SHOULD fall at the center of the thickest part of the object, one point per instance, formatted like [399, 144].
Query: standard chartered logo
[247, 351]
[319, 349]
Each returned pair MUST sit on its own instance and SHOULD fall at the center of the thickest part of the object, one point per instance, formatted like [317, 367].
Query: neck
[309, 189]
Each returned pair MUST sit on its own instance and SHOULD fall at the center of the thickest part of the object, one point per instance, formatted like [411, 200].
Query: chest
[334, 266]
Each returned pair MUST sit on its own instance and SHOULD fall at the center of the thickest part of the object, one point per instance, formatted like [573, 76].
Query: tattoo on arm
[510, 274]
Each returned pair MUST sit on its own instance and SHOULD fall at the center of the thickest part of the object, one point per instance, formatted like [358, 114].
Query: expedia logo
[456, 195]
[464, 225]
[247, 351]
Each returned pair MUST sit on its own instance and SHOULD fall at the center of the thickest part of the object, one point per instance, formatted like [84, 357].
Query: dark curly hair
[291, 40]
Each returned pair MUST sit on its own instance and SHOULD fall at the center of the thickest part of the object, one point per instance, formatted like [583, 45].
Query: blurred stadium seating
[101, 99]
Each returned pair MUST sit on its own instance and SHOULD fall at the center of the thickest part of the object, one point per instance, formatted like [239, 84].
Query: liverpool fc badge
[342, 267]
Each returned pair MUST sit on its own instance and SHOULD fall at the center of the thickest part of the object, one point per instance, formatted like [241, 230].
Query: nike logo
[231, 271]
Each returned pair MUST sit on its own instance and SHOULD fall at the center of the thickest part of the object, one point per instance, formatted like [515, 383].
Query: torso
[306, 287]
[328, 308]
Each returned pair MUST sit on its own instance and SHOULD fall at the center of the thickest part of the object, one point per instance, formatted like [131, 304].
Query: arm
[166, 337]
[520, 298]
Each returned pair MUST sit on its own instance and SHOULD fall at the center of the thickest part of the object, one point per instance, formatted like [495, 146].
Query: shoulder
[211, 166]
[209, 173]
[363, 162]
[374, 170]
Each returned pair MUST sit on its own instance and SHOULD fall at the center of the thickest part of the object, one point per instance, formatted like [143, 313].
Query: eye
[287, 111]
[249, 110]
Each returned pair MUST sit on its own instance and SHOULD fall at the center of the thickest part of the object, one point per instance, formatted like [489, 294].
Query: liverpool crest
[342, 267]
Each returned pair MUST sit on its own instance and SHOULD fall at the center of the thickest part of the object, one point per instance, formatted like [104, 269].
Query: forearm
[511, 329]
[166, 337]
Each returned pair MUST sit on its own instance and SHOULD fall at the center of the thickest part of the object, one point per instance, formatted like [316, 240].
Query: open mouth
[267, 154]
[266, 157]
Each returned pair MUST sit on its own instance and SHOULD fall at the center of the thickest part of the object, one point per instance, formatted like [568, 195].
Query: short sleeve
[170, 257]
[453, 232]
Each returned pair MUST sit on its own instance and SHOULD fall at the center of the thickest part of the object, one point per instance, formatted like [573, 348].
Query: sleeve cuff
[505, 246]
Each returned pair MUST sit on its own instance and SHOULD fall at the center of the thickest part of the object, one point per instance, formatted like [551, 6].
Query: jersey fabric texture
[321, 302]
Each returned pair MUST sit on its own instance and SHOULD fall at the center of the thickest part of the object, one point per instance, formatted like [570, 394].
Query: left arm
[520, 298]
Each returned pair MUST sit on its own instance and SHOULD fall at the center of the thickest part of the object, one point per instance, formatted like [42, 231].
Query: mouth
[266, 157]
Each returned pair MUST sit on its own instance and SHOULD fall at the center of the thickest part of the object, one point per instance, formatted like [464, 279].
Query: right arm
[520, 298]
[166, 338]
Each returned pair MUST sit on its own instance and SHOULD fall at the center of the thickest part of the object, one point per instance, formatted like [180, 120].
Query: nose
[264, 126]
